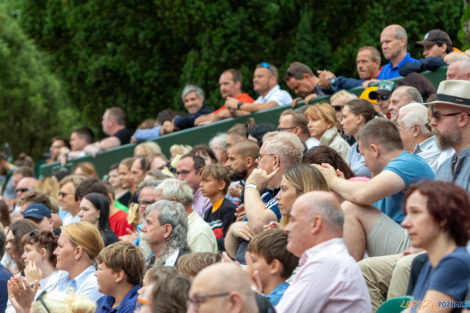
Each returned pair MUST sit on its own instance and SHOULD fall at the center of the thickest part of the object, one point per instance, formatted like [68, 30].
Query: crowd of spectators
[341, 207]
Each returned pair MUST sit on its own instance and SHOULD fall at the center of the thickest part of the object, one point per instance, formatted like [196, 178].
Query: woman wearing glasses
[322, 125]
[438, 221]
[356, 113]
[94, 208]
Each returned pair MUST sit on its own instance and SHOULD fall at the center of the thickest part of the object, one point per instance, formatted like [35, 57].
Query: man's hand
[294, 102]
[231, 104]
[240, 212]
[204, 119]
[260, 178]
[324, 79]
[167, 128]
[235, 191]
[310, 97]
[328, 172]
[242, 230]
[130, 237]
[366, 83]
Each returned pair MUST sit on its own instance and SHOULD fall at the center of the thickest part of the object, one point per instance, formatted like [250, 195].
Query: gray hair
[287, 146]
[464, 64]
[414, 113]
[192, 88]
[219, 140]
[413, 94]
[173, 213]
[152, 182]
[400, 32]
[178, 190]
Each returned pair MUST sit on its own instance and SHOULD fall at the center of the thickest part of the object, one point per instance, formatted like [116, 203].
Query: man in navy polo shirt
[393, 40]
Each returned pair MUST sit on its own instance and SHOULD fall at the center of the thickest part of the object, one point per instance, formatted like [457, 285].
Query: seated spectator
[257, 132]
[459, 69]
[322, 154]
[218, 144]
[230, 83]
[193, 99]
[394, 40]
[146, 148]
[329, 280]
[12, 259]
[356, 113]
[338, 100]
[442, 209]
[215, 181]
[268, 255]
[167, 292]
[401, 96]
[114, 125]
[265, 83]
[368, 68]
[58, 143]
[206, 153]
[50, 187]
[192, 263]
[40, 214]
[372, 207]
[5, 275]
[424, 85]
[48, 218]
[117, 214]
[200, 236]
[231, 286]
[322, 124]
[115, 181]
[382, 95]
[4, 216]
[79, 139]
[85, 169]
[303, 82]
[94, 208]
[237, 133]
[139, 167]
[165, 229]
[436, 45]
[296, 123]
[126, 181]
[120, 270]
[156, 174]
[299, 179]
[78, 246]
[159, 162]
[165, 117]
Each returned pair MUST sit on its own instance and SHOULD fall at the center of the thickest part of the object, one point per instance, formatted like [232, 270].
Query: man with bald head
[329, 279]
[459, 69]
[393, 40]
[222, 288]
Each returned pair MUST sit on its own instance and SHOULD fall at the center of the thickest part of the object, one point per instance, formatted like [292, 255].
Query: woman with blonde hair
[78, 246]
[339, 99]
[86, 169]
[322, 125]
[146, 148]
[296, 181]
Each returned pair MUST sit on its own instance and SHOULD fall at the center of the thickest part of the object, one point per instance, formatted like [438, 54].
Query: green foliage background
[139, 54]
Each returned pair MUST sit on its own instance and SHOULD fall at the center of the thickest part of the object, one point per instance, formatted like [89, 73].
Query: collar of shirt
[425, 145]
[130, 298]
[269, 94]
[407, 58]
[67, 282]
[171, 260]
[331, 246]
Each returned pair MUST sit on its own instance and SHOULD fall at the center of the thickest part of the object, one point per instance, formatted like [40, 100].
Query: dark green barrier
[198, 135]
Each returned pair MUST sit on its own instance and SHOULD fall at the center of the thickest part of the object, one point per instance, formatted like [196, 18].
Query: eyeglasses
[382, 97]
[260, 156]
[22, 190]
[62, 194]
[285, 128]
[428, 125]
[141, 302]
[338, 108]
[437, 115]
[267, 66]
[183, 172]
[197, 300]
[144, 203]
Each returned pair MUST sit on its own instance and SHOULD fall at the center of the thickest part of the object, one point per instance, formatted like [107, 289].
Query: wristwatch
[239, 104]
[253, 186]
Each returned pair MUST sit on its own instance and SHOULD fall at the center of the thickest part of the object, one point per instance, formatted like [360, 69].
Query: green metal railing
[197, 135]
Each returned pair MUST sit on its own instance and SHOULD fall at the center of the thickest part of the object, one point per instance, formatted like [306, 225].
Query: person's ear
[250, 162]
[236, 302]
[416, 130]
[78, 252]
[275, 267]
[374, 149]
[276, 160]
[168, 230]
[317, 223]
[119, 276]
[43, 252]
[222, 185]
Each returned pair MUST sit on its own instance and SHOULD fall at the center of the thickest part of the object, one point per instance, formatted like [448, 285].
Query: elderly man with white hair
[459, 69]
[415, 132]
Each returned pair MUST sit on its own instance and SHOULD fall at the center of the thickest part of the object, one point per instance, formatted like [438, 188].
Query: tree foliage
[139, 54]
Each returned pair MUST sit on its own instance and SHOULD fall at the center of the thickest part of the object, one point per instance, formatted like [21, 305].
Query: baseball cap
[435, 36]
[37, 211]
[384, 88]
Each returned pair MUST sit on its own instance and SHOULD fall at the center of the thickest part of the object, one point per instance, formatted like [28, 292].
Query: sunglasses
[267, 66]
[437, 115]
[22, 189]
[382, 97]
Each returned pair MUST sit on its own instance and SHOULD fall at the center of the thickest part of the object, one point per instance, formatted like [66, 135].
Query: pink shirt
[329, 281]
[200, 203]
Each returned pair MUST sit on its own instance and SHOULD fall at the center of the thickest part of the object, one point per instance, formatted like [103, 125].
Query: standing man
[230, 83]
[114, 125]
[265, 83]
[329, 279]
[393, 40]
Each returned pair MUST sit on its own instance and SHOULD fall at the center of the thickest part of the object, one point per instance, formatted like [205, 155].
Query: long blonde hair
[63, 302]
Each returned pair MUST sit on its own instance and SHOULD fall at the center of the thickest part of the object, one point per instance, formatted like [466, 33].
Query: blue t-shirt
[105, 303]
[450, 276]
[411, 168]
[277, 293]
[5, 275]
[389, 71]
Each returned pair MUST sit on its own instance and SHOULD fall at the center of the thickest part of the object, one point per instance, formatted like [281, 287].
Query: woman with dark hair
[356, 113]
[4, 215]
[438, 221]
[257, 132]
[94, 208]
[14, 246]
[324, 154]
[206, 153]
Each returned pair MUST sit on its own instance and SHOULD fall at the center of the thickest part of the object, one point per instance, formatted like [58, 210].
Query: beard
[447, 141]
[238, 175]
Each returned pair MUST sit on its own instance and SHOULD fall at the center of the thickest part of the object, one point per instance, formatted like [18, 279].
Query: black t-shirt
[221, 220]
[125, 198]
[124, 135]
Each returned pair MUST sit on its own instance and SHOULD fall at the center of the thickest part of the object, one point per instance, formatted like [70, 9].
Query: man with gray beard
[451, 123]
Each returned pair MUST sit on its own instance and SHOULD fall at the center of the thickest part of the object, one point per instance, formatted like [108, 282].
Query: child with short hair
[215, 180]
[120, 269]
[267, 253]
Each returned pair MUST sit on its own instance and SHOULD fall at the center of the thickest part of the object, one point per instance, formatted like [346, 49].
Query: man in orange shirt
[230, 83]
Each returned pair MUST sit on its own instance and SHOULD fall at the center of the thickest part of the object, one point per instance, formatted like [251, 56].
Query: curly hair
[44, 239]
